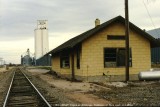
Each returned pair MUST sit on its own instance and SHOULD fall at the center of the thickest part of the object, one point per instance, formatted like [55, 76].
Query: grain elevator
[41, 38]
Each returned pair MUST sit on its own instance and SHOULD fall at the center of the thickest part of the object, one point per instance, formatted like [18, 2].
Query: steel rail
[37, 90]
[6, 99]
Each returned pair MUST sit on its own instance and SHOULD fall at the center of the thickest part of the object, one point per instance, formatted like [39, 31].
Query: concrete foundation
[111, 78]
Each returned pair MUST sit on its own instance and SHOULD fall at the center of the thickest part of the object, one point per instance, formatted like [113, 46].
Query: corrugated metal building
[27, 59]
[155, 52]
[155, 55]
[44, 60]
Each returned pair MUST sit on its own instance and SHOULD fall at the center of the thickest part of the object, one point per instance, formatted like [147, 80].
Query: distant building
[27, 59]
[99, 53]
[2, 62]
[41, 38]
[155, 52]
[155, 33]
[44, 60]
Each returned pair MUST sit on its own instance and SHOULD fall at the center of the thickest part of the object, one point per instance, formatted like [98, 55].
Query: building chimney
[97, 22]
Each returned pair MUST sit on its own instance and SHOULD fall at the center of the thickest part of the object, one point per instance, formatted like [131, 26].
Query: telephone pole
[127, 40]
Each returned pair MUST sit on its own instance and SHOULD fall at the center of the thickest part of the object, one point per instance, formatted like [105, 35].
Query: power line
[151, 18]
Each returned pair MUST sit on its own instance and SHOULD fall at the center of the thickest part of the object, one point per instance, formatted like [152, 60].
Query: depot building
[99, 53]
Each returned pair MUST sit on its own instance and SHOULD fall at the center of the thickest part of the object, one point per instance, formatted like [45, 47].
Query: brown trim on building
[72, 63]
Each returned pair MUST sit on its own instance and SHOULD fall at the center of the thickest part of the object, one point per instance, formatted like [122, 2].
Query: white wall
[41, 39]
[38, 43]
[45, 41]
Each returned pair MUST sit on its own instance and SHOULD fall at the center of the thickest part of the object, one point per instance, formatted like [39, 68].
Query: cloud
[19, 17]
[11, 51]
[66, 18]
[139, 16]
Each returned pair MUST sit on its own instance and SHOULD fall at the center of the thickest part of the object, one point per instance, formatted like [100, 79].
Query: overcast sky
[66, 19]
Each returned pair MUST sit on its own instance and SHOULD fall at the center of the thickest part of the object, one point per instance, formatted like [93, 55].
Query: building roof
[155, 33]
[80, 38]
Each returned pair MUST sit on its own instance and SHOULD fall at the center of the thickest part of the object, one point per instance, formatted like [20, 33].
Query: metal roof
[155, 33]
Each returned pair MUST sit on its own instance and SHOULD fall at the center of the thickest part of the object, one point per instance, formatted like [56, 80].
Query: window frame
[116, 61]
[64, 58]
[112, 62]
[116, 37]
[78, 57]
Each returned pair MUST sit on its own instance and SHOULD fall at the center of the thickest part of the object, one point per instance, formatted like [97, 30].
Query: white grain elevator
[41, 38]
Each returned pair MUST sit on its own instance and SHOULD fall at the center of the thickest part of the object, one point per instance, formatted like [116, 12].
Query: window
[110, 57]
[78, 59]
[115, 37]
[115, 57]
[64, 60]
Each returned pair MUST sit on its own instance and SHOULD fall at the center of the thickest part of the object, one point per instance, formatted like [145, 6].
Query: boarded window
[115, 37]
[115, 57]
[64, 60]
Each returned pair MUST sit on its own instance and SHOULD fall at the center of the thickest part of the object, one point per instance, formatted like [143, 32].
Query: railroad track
[22, 93]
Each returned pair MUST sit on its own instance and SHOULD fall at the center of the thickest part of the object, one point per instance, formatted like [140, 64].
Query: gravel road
[135, 93]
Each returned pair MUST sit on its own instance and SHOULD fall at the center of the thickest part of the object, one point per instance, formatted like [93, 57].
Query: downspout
[72, 62]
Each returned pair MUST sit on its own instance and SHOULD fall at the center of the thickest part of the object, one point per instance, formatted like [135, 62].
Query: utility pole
[127, 40]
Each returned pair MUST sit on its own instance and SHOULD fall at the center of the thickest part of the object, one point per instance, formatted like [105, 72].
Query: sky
[66, 19]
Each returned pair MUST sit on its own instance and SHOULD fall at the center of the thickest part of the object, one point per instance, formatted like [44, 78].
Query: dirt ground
[77, 91]
[137, 93]
[4, 80]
